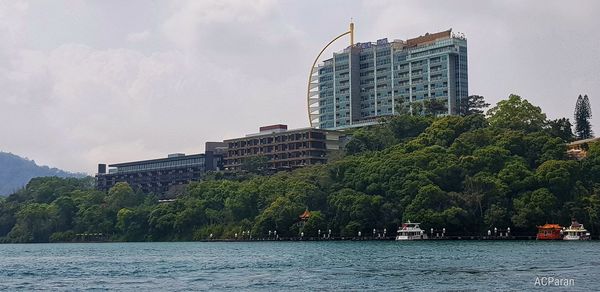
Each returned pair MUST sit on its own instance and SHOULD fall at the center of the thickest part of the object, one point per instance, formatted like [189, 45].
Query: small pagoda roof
[550, 226]
[305, 215]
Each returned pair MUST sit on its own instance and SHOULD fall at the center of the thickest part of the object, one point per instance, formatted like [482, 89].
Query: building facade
[158, 175]
[282, 148]
[366, 81]
[578, 150]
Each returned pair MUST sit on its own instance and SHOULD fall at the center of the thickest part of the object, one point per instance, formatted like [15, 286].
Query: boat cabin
[549, 232]
[410, 231]
[576, 232]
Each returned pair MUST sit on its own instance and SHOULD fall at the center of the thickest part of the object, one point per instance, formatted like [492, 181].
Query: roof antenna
[351, 32]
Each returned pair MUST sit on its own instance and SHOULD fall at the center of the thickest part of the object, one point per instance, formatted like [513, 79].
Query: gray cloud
[87, 82]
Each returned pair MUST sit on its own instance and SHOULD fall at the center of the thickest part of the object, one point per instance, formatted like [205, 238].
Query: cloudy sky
[83, 82]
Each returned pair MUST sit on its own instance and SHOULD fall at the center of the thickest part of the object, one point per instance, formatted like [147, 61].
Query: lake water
[425, 265]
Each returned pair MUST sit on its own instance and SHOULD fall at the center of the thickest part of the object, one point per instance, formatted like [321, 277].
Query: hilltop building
[283, 148]
[578, 150]
[159, 175]
[366, 81]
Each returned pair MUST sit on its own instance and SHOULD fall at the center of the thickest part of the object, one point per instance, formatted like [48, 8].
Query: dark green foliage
[434, 208]
[467, 174]
[35, 222]
[534, 208]
[316, 222]
[561, 128]
[255, 164]
[403, 127]
[403, 107]
[517, 114]
[370, 139]
[435, 107]
[395, 130]
[472, 105]
[583, 114]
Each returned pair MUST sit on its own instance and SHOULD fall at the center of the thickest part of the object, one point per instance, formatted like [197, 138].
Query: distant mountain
[16, 171]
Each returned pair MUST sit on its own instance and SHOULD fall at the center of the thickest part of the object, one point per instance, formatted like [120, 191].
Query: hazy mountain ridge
[16, 171]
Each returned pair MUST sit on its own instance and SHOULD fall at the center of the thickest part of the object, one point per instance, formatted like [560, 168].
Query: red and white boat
[549, 232]
[576, 232]
[411, 231]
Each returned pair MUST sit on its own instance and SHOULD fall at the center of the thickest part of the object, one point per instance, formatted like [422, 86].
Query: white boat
[411, 231]
[576, 232]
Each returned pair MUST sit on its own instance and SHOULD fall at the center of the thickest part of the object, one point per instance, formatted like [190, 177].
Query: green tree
[594, 149]
[435, 107]
[256, 164]
[591, 207]
[369, 139]
[124, 216]
[490, 159]
[406, 126]
[122, 196]
[190, 217]
[65, 236]
[352, 228]
[483, 190]
[518, 114]
[66, 210]
[417, 108]
[7, 217]
[315, 223]
[35, 223]
[472, 105]
[583, 114]
[94, 219]
[434, 208]
[133, 224]
[280, 216]
[241, 205]
[518, 177]
[443, 131]
[559, 177]
[562, 129]
[403, 107]
[161, 220]
[496, 216]
[534, 208]
[352, 206]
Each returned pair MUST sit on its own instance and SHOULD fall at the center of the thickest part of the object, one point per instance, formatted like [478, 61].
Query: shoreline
[336, 239]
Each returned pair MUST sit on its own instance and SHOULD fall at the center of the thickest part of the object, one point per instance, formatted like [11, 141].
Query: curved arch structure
[312, 95]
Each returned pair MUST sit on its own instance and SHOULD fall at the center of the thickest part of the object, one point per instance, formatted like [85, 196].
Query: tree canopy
[472, 105]
[467, 174]
[518, 114]
[583, 114]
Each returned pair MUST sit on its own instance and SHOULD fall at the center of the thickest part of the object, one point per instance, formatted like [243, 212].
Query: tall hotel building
[367, 80]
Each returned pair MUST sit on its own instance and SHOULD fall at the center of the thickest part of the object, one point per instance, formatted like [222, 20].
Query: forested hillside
[15, 172]
[463, 173]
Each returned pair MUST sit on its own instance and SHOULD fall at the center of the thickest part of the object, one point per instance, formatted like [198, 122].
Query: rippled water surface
[426, 265]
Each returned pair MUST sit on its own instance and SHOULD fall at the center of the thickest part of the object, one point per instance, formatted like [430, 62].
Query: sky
[88, 82]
